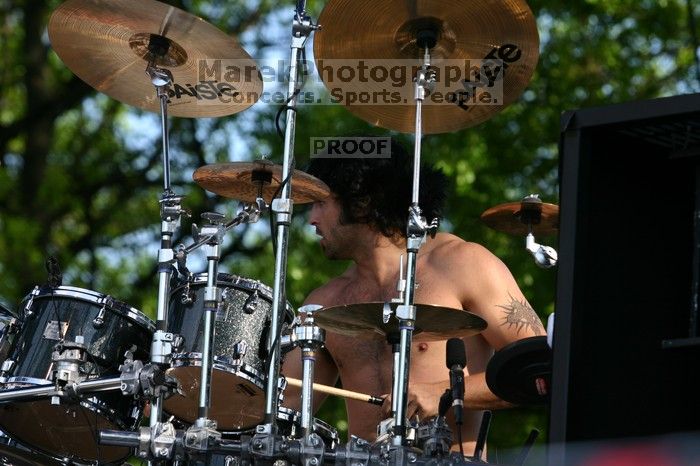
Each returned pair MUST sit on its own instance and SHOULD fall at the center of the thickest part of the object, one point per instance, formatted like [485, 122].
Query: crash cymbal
[521, 372]
[366, 50]
[364, 321]
[108, 44]
[513, 217]
[242, 181]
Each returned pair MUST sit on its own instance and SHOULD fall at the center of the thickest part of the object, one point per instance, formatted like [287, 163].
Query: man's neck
[378, 258]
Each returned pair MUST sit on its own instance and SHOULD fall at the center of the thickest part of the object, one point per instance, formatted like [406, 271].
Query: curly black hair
[377, 191]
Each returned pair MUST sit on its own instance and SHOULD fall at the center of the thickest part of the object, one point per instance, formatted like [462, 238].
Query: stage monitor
[626, 350]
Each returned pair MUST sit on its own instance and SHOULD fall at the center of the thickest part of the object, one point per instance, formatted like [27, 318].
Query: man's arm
[488, 289]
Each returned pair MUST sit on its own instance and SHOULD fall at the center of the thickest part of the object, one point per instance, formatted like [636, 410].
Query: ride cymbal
[365, 321]
[246, 180]
[366, 50]
[516, 218]
[108, 44]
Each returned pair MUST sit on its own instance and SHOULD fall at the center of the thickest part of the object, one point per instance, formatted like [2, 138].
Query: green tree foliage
[81, 174]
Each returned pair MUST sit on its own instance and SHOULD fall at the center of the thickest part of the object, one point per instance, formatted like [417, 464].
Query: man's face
[336, 239]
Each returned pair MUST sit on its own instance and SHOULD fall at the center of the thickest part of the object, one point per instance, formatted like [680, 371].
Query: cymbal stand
[417, 229]
[309, 337]
[282, 207]
[203, 431]
[170, 213]
[249, 214]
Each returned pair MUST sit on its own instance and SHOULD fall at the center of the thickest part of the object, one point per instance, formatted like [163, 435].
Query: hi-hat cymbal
[108, 44]
[364, 321]
[245, 180]
[379, 39]
[515, 218]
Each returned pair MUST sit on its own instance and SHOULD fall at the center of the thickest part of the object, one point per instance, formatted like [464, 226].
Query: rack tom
[108, 328]
[240, 350]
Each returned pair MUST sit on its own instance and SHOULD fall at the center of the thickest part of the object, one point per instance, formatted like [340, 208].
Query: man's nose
[313, 214]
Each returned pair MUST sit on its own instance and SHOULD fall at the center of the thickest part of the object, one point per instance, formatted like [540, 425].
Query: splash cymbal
[108, 44]
[514, 217]
[366, 52]
[245, 180]
[364, 321]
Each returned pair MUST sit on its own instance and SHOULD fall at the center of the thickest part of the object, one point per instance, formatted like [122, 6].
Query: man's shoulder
[446, 246]
[328, 293]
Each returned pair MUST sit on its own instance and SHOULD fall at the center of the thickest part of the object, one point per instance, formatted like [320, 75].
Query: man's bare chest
[430, 289]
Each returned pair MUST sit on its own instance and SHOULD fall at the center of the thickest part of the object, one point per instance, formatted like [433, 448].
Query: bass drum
[109, 328]
[240, 350]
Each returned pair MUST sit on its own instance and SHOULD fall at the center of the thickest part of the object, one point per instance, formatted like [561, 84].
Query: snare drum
[240, 350]
[109, 328]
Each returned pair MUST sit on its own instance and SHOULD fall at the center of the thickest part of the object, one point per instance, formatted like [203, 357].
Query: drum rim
[5, 309]
[94, 297]
[296, 415]
[194, 359]
[15, 444]
[233, 280]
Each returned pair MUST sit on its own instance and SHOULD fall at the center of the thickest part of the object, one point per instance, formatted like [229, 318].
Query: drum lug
[99, 320]
[187, 296]
[223, 307]
[251, 304]
[239, 351]
[28, 307]
[14, 327]
[7, 366]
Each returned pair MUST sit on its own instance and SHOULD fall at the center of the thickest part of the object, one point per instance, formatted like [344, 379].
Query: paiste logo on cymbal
[206, 90]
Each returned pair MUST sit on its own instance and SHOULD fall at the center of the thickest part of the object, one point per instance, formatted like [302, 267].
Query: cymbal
[108, 44]
[243, 181]
[364, 321]
[512, 218]
[360, 34]
[521, 372]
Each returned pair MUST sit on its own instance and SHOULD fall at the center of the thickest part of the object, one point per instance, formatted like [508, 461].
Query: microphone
[456, 360]
[55, 278]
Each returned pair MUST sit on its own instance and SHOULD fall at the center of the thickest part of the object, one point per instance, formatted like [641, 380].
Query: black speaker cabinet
[626, 349]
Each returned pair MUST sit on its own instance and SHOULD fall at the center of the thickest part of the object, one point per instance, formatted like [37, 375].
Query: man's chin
[329, 252]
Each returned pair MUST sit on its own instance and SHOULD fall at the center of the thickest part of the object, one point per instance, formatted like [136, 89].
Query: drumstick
[375, 400]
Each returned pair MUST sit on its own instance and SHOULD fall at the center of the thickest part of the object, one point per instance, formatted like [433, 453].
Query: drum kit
[80, 368]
